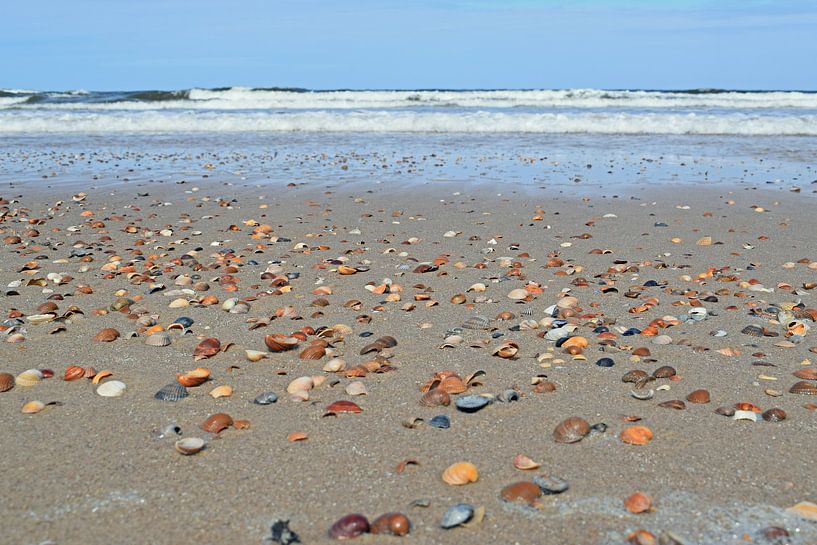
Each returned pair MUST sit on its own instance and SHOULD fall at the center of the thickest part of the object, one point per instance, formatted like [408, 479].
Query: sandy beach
[101, 470]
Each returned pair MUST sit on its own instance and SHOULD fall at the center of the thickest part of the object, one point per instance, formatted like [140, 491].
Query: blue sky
[173, 44]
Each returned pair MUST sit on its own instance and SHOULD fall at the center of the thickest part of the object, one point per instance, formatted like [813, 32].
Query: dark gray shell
[551, 485]
[440, 421]
[172, 392]
[457, 514]
[265, 398]
[471, 403]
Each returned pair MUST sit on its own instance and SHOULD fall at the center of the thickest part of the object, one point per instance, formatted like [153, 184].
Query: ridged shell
[572, 430]
[189, 445]
[171, 392]
[217, 423]
[774, 415]
[334, 365]
[207, 348]
[342, 406]
[664, 372]
[6, 382]
[806, 374]
[356, 388]
[636, 435]
[435, 398]
[312, 352]
[634, 376]
[638, 503]
[477, 323]
[112, 388]
[803, 388]
[162, 338]
[300, 384]
[460, 474]
[676, 404]
[280, 343]
[107, 335]
[73, 372]
[32, 407]
[752, 330]
[28, 378]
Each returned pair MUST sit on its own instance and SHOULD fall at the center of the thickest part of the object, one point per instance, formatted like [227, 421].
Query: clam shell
[196, 377]
[342, 406]
[41, 318]
[334, 365]
[107, 335]
[698, 396]
[806, 374]
[221, 391]
[572, 430]
[676, 404]
[280, 343]
[664, 372]
[435, 398]
[471, 403]
[162, 338]
[456, 515]
[33, 407]
[207, 348]
[349, 526]
[356, 388]
[774, 415]
[189, 445]
[517, 294]
[634, 376]
[6, 382]
[460, 474]
[217, 423]
[300, 384]
[73, 372]
[440, 421]
[521, 461]
[636, 435]
[28, 378]
[171, 392]
[312, 352]
[265, 398]
[803, 388]
[638, 503]
[395, 524]
[255, 355]
[112, 388]
[477, 323]
[524, 492]
[551, 485]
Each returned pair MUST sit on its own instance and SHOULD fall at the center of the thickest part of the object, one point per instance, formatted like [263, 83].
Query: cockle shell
[435, 397]
[73, 372]
[636, 435]
[342, 406]
[6, 382]
[356, 388]
[171, 392]
[107, 335]
[28, 378]
[524, 492]
[572, 430]
[33, 407]
[221, 391]
[161, 338]
[207, 348]
[112, 388]
[460, 473]
[334, 365]
[196, 377]
[279, 343]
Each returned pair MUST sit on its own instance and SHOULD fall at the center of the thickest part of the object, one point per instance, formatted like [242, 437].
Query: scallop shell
[171, 392]
[112, 388]
[6, 382]
[806, 374]
[73, 372]
[107, 335]
[572, 430]
[334, 365]
[460, 473]
[356, 388]
[477, 323]
[28, 378]
[664, 372]
[217, 423]
[162, 338]
[189, 445]
[803, 387]
[435, 398]
[221, 391]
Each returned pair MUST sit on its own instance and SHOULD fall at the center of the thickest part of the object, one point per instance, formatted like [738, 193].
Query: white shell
[189, 445]
[356, 388]
[300, 384]
[745, 415]
[28, 378]
[112, 388]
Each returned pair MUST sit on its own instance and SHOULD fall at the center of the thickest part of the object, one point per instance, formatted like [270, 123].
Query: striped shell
[28, 378]
[112, 388]
[171, 392]
[572, 430]
[477, 322]
[460, 473]
[162, 338]
[435, 398]
[6, 382]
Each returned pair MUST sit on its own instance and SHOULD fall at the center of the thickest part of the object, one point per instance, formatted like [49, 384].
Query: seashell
[265, 398]
[458, 299]
[605, 362]
[551, 485]
[395, 524]
[510, 394]
[774, 415]
[171, 392]
[300, 384]
[803, 387]
[528, 325]
[698, 396]
[638, 503]
[518, 294]
[189, 445]
[676, 404]
[753, 330]
[643, 395]
[452, 341]
[180, 303]
[112, 388]
[520, 461]
[806, 374]
[349, 526]
[339, 407]
[804, 509]
[73, 372]
[725, 411]
[456, 515]
[312, 352]
[572, 430]
[107, 335]
[255, 355]
[440, 421]
[217, 423]
[206, 349]
[98, 376]
[642, 352]
[41, 318]
[478, 287]
[435, 398]
[241, 307]
[297, 436]
[280, 343]
[196, 377]
[471, 403]
[460, 474]
[524, 492]
[221, 391]
[452, 385]
[636, 435]
[662, 340]
[334, 365]
[356, 388]
[6, 382]
[506, 350]
[161, 338]
[664, 372]
[634, 376]
[28, 378]
[33, 407]
[745, 415]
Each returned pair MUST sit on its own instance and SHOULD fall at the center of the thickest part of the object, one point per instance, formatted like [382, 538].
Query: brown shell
[217, 423]
[806, 374]
[207, 348]
[544, 387]
[453, 385]
[348, 527]
[636, 435]
[343, 407]
[699, 397]
[435, 398]
[664, 372]
[6, 382]
[49, 306]
[387, 341]
[312, 352]
[634, 376]
[638, 503]
[642, 352]
[804, 388]
[673, 404]
[521, 492]
[280, 343]
[572, 430]
[107, 335]
[460, 473]
[73, 372]
[395, 524]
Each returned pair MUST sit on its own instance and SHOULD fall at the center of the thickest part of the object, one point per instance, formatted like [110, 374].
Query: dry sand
[92, 471]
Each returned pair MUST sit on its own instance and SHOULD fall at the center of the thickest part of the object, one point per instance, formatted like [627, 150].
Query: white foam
[594, 122]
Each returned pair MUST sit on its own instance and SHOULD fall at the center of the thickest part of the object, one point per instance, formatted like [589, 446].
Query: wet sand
[93, 471]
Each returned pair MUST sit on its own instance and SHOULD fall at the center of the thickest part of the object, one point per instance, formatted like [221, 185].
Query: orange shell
[217, 423]
[577, 341]
[312, 352]
[636, 435]
[73, 372]
[107, 335]
[279, 343]
[207, 348]
[297, 436]
[638, 503]
[460, 473]
[196, 377]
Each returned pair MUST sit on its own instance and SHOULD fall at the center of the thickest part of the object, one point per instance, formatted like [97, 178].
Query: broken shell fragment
[457, 515]
[221, 391]
[217, 423]
[522, 462]
[471, 403]
[265, 398]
